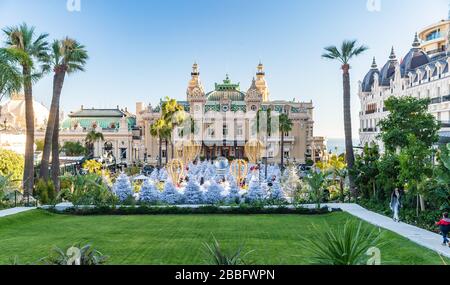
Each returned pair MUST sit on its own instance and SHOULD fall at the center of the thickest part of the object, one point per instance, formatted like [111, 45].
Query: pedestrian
[396, 204]
[444, 226]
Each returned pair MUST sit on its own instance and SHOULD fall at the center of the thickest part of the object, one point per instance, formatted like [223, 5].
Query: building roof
[414, 58]
[98, 113]
[369, 79]
[226, 90]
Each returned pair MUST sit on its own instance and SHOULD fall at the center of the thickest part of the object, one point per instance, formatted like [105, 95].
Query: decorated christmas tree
[170, 195]
[234, 197]
[214, 194]
[163, 174]
[149, 194]
[277, 194]
[255, 192]
[123, 189]
[155, 175]
[291, 181]
[192, 193]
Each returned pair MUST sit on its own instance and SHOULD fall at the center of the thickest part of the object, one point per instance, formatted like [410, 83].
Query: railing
[371, 112]
[436, 100]
[369, 130]
[445, 124]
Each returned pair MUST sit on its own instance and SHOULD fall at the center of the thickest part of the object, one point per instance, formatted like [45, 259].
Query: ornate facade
[226, 118]
[423, 73]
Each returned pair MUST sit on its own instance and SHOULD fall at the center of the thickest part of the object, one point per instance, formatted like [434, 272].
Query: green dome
[226, 90]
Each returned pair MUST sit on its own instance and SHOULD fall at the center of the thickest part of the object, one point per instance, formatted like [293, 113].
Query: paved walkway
[13, 211]
[420, 236]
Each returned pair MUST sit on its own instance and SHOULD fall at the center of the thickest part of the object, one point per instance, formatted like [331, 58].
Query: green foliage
[441, 192]
[415, 165]
[45, 192]
[316, 181]
[134, 170]
[366, 170]
[74, 149]
[88, 256]
[39, 145]
[345, 245]
[89, 190]
[408, 116]
[216, 255]
[11, 164]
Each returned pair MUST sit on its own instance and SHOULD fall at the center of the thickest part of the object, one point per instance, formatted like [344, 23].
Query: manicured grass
[179, 239]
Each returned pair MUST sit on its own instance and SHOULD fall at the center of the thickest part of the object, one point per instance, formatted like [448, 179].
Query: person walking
[444, 226]
[396, 204]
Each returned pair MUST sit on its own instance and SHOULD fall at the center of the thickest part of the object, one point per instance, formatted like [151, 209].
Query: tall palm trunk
[55, 154]
[58, 81]
[28, 174]
[282, 151]
[167, 151]
[348, 128]
[160, 152]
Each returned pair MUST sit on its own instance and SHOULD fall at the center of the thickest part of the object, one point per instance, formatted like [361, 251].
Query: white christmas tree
[277, 194]
[170, 195]
[214, 194]
[149, 194]
[155, 175]
[255, 192]
[122, 188]
[291, 182]
[192, 193]
[163, 174]
[234, 197]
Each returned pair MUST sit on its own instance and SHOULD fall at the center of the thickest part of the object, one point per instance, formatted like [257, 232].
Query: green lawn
[178, 239]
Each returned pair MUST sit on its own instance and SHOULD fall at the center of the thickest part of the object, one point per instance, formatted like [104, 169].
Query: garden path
[420, 236]
[13, 211]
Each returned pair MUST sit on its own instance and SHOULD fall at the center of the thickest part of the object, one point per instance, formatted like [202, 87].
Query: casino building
[226, 114]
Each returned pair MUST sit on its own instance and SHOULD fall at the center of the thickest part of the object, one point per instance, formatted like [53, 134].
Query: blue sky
[143, 50]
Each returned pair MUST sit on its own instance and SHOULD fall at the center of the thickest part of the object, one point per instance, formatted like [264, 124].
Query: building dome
[226, 91]
[414, 59]
[13, 112]
[388, 70]
[370, 77]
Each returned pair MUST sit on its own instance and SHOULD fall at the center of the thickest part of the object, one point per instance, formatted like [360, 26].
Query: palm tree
[67, 57]
[30, 52]
[91, 138]
[10, 76]
[348, 51]
[172, 113]
[156, 130]
[285, 127]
